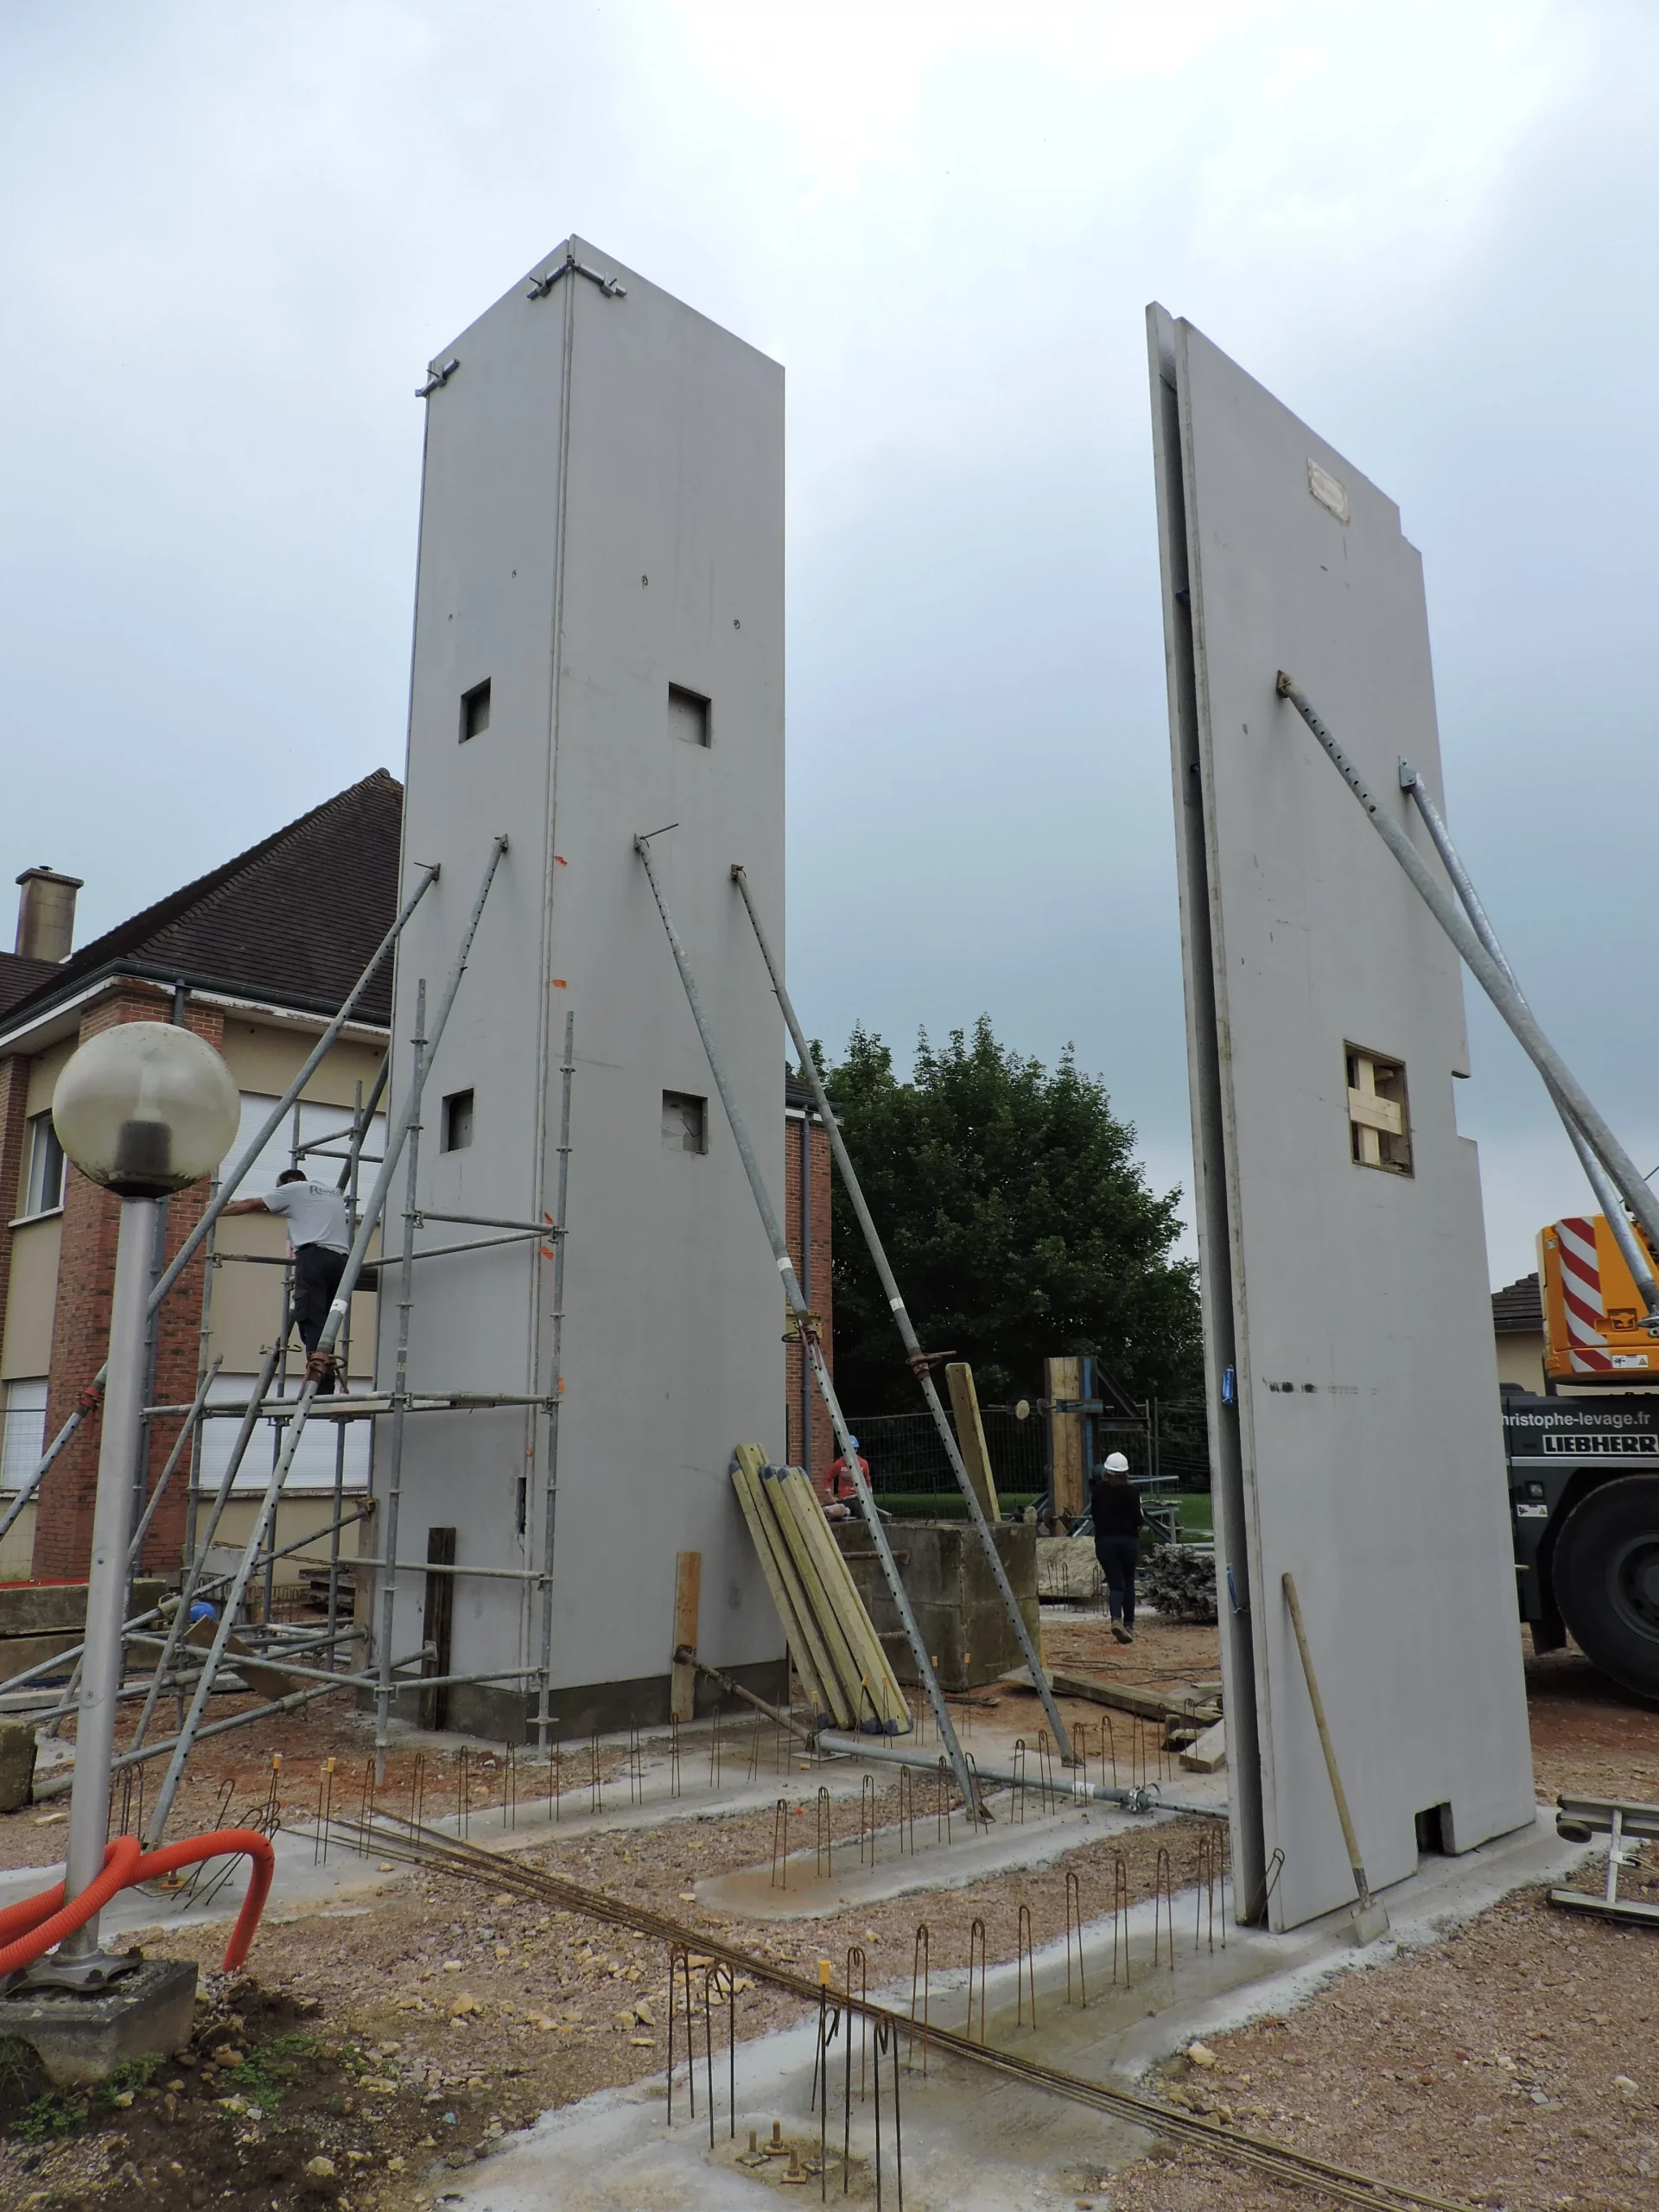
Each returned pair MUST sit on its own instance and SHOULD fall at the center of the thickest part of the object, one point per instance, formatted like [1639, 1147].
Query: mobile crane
[1584, 1458]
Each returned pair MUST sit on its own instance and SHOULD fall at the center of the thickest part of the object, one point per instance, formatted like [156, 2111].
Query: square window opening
[457, 1121]
[685, 1121]
[688, 715]
[43, 1192]
[1379, 1112]
[475, 710]
[1433, 1826]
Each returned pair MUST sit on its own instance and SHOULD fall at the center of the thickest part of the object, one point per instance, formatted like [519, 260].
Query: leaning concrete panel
[1352, 1380]
[601, 519]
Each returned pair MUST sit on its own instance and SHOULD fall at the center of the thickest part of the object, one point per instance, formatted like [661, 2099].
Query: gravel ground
[1516, 2063]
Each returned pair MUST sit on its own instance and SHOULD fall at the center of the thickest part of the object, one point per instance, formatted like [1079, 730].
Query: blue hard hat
[852, 1443]
[201, 1610]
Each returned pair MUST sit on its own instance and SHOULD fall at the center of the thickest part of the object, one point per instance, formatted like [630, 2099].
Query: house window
[1379, 1117]
[475, 710]
[688, 715]
[43, 1190]
[23, 1439]
[458, 1121]
[685, 1121]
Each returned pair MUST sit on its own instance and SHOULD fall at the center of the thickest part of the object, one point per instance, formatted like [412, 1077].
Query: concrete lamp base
[85, 2038]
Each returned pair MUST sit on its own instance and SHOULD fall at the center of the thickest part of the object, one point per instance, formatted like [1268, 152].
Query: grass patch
[267, 2074]
[52, 2114]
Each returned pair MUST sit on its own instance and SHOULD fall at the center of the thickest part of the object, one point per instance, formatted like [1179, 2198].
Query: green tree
[1018, 1221]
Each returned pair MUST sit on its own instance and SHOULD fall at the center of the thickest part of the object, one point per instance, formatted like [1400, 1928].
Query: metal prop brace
[806, 1323]
[1493, 979]
[919, 1360]
[1606, 1195]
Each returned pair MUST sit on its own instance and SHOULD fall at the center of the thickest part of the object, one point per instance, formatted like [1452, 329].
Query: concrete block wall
[953, 1594]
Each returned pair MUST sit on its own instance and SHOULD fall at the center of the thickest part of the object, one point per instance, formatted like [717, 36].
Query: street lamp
[144, 1108]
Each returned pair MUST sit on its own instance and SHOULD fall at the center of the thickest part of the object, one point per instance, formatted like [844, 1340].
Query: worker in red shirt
[838, 1492]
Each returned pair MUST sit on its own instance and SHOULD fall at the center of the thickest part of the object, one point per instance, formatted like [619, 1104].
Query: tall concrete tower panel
[599, 651]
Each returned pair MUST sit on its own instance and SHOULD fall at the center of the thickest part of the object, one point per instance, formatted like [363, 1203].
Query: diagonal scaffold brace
[1475, 940]
[806, 1324]
[264, 1519]
[920, 1365]
[88, 1400]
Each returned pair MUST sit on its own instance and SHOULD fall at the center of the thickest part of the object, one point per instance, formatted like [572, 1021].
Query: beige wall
[247, 1301]
[43, 1076]
[17, 1551]
[31, 1297]
[1521, 1358]
[266, 1060]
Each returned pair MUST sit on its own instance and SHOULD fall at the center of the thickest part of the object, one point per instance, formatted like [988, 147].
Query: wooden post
[970, 1436]
[688, 1585]
[1064, 1379]
[439, 1620]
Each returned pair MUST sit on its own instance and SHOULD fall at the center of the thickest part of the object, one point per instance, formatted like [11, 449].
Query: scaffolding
[327, 1659]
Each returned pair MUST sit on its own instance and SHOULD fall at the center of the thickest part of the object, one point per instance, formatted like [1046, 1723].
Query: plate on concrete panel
[1353, 1379]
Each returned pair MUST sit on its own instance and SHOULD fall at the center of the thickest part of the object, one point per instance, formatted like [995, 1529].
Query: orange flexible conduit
[29, 1929]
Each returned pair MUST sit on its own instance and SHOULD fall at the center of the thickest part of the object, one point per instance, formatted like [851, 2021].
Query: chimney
[46, 914]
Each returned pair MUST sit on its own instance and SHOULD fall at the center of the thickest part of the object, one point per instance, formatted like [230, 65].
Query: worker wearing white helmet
[1114, 1504]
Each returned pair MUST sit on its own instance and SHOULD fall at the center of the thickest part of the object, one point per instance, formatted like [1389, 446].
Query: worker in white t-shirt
[318, 1237]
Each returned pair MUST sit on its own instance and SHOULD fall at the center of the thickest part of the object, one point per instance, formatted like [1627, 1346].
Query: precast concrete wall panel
[1351, 1376]
[601, 520]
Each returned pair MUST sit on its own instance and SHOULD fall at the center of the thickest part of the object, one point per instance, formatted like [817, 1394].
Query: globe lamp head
[146, 1108]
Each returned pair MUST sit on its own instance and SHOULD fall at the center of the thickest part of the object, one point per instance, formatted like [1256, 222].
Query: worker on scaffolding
[320, 1242]
[838, 1492]
[1118, 1517]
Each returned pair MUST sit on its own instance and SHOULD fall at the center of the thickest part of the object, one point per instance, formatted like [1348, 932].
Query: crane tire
[1606, 1580]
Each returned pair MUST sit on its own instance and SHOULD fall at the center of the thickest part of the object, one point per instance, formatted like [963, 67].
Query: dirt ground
[1514, 2064]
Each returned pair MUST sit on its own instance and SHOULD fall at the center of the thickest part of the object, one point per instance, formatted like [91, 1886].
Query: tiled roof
[19, 976]
[292, 921]
[1518, 1308]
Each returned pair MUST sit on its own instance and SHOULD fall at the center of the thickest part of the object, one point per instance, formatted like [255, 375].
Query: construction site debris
[1179, 1581]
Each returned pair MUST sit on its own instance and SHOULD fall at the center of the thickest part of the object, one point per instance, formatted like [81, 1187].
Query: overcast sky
[234, 236]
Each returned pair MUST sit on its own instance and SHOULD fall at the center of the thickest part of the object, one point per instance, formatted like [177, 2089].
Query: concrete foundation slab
[973, 2142]
[85, 2038]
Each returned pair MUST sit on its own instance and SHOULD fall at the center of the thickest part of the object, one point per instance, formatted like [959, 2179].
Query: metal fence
[908, 1459]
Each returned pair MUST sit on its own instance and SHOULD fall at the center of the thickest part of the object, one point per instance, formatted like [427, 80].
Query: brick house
[256, 957]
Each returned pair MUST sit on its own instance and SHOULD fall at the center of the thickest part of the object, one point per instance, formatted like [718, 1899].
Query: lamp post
[144, 1108]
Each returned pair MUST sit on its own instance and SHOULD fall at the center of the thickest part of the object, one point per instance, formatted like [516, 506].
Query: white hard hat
[1116, 1464]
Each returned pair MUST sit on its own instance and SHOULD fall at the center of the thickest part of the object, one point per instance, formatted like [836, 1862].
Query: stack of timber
[832, 1642]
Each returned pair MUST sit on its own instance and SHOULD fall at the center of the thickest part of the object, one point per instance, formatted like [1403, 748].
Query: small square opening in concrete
[685, 1121]
[1379, 1117]
[475, 710]
[458, 1121]
[688, 715]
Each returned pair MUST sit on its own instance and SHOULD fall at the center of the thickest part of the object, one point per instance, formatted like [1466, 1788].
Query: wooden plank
[830, 1697]
[844, 1661]
[841, 1593]
[682, 1677]
[1125, 1697]
[438, 1615]
[268, 1681]
[970, 1436]
[1062, 1378]
[1372, 1111]
[811, 1661]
